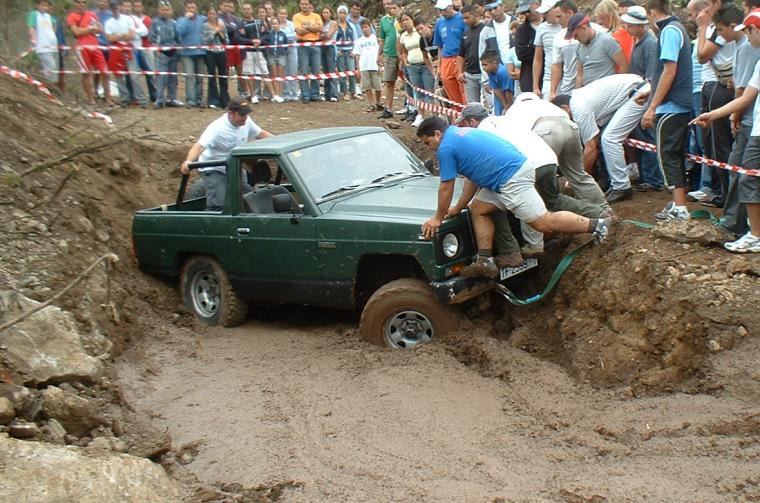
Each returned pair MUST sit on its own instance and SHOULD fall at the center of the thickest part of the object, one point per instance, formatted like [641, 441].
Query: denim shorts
[277, 60]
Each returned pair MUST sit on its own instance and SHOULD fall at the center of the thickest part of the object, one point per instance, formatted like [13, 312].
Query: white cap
[443, 4]
[635, 14]
[546, 6]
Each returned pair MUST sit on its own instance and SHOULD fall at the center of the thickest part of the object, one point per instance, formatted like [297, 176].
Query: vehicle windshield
[351, 164]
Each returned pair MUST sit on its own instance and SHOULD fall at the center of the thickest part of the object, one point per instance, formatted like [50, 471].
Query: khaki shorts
[255, 64]
[390, 69]
[371, 81]
[518, 195]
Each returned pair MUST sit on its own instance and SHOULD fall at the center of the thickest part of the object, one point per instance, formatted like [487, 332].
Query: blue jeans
[167, 84]
[420, 76]
[347, 63]
[194, 65]
[309, 62]
[328, 64]
[144, 64]
[290, 88]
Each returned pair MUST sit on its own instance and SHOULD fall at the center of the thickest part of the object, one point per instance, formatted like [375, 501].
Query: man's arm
[538, 68]
[192, 155]
[263, 134]
[620, 62]
[579, 76]
[557, 73]
[740, 103]
[663, 87]
[502, 97]
[468, 192]
[590, 152]
[445, 195]
[706, 49]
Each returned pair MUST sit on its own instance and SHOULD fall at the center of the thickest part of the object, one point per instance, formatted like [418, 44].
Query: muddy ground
[636, 380]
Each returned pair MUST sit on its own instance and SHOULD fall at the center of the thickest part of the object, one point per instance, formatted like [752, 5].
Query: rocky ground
[636, 380]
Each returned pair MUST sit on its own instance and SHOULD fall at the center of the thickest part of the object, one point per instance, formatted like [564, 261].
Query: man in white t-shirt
[120, 32]
[544, 42]
[215, 144]
[42, 37]
[495, 33]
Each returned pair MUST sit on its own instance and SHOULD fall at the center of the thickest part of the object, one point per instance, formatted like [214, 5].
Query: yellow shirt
[314, 19]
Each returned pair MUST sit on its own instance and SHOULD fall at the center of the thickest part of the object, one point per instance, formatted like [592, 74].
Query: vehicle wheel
[207, 292]
[403, 314]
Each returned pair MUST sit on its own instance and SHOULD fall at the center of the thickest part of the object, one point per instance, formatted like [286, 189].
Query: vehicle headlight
[450, 245]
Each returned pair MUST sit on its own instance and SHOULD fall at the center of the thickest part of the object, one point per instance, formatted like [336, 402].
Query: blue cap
[493, 5]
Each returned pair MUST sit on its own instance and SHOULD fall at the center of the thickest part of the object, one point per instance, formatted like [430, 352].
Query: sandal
[370, 108]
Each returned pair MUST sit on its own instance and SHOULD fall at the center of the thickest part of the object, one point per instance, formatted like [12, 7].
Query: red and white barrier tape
[4, 70]
[433, 95]
[26, 78]
[289, 78]
[436, 109]
[698, 158]
[192, 47]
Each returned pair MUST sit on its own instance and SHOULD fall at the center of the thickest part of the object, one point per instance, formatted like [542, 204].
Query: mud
[637, 379]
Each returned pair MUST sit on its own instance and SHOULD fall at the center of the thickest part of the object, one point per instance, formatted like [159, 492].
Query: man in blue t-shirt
[506, 179]
[498, 80]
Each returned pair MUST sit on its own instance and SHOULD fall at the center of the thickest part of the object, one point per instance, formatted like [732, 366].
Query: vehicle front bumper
[460, 289]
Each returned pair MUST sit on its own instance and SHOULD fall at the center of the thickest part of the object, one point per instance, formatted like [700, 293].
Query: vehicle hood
[415, 199]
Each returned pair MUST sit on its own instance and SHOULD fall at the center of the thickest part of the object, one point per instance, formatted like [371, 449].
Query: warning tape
[154, 48]
[698, 158]
[289, 78]
[26, 78]
[437, 109]
[4, 70]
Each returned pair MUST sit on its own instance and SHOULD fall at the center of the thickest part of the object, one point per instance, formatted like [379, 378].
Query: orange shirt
[625, 40]
[314, 19]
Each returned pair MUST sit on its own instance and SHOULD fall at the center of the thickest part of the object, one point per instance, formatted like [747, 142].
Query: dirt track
[515, 408]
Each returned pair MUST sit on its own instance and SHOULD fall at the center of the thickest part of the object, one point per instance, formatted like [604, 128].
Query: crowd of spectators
[622, 71]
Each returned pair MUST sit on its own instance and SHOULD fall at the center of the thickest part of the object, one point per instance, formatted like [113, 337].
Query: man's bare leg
[563, 221]
[390, 88]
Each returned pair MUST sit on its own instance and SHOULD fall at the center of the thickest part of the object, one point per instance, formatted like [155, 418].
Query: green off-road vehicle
[334, 220]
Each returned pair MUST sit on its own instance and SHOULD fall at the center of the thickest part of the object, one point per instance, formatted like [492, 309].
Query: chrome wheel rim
[408, 329]
[205, 293]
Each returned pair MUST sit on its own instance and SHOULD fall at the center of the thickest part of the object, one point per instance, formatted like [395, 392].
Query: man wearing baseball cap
[524, 41]
[544, 47]
[748, 187]
[215, 144]
[598, 54]
[447, 35]
[644, 64]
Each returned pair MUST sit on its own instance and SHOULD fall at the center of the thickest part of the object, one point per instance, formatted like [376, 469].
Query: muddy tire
[403, 314]
[207, 293]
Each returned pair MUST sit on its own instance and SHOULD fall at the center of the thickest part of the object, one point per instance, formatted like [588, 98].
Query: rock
[393, 124]
[23, 429]
[45, 347]
[100, 444]
[56, 432]
[7, 412]
[71, 439]
[741, 331]
[20, 396]
[35, 471]
[691, 231]
[78, 415]
[713, 345]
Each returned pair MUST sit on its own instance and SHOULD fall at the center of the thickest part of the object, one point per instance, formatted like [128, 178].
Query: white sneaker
[748, 243]
[673, 212]
[418, 120]
[403, 111]
[278, 99]
[697, 195]
[255, 100]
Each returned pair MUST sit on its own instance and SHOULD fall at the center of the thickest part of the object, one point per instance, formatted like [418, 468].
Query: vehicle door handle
[243, 231]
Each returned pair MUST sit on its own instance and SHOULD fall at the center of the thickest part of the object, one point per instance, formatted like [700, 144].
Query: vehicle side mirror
[282, 203]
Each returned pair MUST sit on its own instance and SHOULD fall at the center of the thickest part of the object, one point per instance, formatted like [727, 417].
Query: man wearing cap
[524, 38]
[544, 42]
[644, 64]
[533, 146]
[227, 132]
[670, 106]
[507, 178]
[598, 53]
[611, 103]
[496, 34]
[447, 35]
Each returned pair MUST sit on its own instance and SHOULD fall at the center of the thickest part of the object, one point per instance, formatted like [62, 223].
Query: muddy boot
[531, 252]
[483, 267]
[512, 259]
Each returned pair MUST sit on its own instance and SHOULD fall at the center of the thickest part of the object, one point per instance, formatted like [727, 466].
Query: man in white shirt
[121, 32]
[215, 144]
[42, 37]
[609, 101]
[495, 33]
[143, 57]
[533, 147]
[544, 47]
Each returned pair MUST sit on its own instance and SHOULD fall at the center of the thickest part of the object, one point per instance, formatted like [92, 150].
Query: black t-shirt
[469, 49]
[426, 44]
